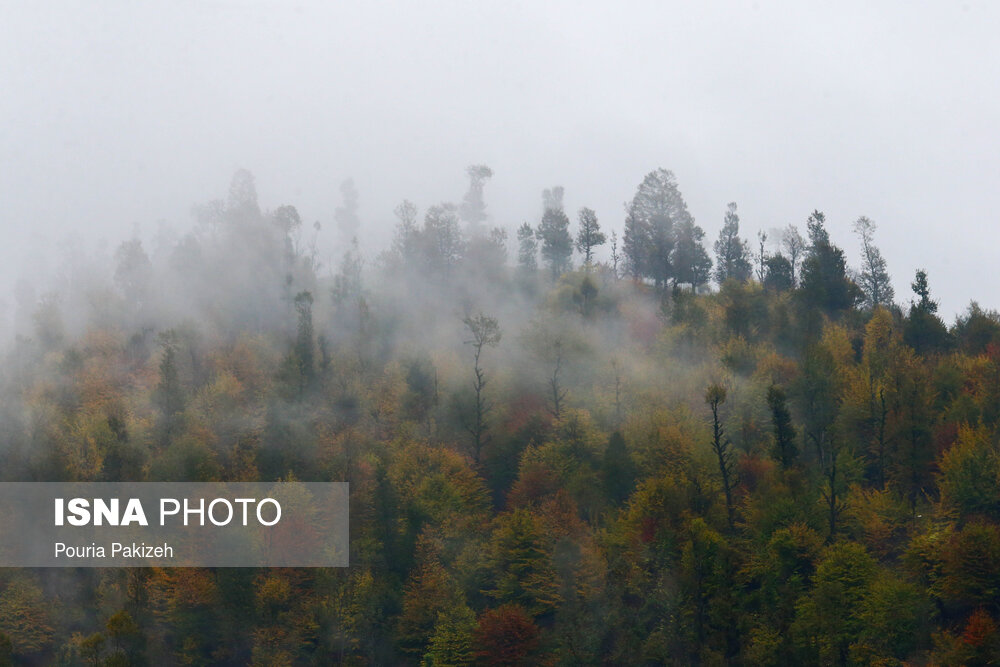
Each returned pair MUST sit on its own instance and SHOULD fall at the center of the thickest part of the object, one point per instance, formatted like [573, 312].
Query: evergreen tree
[924, 331]
[527, 249]
[731, 252]
[784, 450]
[875, 283]
[690, 262]
[778, 276]
[589, 236]
[553, 232]
[442, 239]
[825, 284]
[346, 215]
[656, 209]
[473, 208]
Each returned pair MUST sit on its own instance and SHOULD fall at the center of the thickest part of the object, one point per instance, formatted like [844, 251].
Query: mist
[121, 116]
[631, 327]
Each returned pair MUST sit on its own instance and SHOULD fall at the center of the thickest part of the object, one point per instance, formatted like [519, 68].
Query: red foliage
[535, 483]
[945, 435]
[980, 629]
[753, 469]
[505, 636]
[525, 407]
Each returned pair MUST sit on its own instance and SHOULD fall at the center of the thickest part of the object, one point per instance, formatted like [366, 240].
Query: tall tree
[794, 247]
[824, 278]
[615, 258]
[589, 235]
[690, 261]
[442, 239]
[761, 257]
[346, 215]
[722, 447]
[731, 252]
[305, 344]
[405, 239]
[553, 232]
[778, 276]
[473, 208]
[527, 249]
[485, 333]
[875, 283]
[924, 331]
[652, 215]
[784, 450]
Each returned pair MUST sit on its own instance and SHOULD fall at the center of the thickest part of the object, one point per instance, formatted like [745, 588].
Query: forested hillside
[576, 442]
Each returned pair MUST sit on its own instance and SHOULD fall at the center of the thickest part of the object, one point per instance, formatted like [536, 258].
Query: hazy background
[117, 115]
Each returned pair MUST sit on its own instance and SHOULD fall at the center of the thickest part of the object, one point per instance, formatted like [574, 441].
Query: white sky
[114, 114]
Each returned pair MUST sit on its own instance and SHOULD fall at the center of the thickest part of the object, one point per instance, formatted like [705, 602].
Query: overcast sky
[117, 114]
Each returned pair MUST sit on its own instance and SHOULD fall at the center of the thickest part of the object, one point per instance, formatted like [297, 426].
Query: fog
[119, 115]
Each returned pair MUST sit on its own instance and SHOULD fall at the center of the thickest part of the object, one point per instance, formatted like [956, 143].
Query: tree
[405, 238]
[722, 447]
[690, 262]
[794, 247]
[875, 283]
[589, 236]
[305, 344]
[778, 275]
[125, 635]
[557, 393]
[473, 208]
[635, 250]
[485, 332]
[133, 272]
[731, 251]
[652, 215]
[24, 617]
[824, 280]
[924, 331]
[617, 470]
[970, 476]
[527, 249]
[346, 215]
[451, 643]
[829, 617]
[169, 393]
[553, 232]
[506, 636]
[442, 239]
[520, 566]
[784, 450]
[761, 257]
[615, 258]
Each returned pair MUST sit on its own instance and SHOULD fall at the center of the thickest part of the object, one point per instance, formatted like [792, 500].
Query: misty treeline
[553, 458]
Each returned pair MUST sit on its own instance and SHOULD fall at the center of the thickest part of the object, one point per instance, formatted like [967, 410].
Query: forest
[569, 442]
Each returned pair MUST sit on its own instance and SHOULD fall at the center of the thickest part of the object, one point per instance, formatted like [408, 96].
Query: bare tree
[794, 247]
[761, 256]
[485, 332]
[716, 396]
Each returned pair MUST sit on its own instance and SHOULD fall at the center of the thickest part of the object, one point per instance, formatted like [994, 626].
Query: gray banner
[179, 524]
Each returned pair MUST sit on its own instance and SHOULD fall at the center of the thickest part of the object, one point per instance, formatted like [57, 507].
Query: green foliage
[830, 617]
[970, 475]
[557, 244]
[521, 570]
